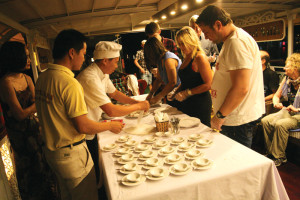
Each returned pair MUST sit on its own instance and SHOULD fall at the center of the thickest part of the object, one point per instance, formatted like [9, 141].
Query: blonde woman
[276, 126]
[195, 75]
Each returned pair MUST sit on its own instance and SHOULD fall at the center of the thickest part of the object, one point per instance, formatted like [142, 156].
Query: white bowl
[167, 149]
[130, 166]
[133, 177]
[173, 157]
[156, 172]
[180, 167]
[127, 157]
[151, 162]
[150, 139]
[201, 162]
[193, 152]
[109, 146]
[147, 154]
[123, 138]
[123, 150]
[178, 139]
[161, 143]
[195, 136]
[204, 141]
[130, 143]
[185, 145]
[142, 147]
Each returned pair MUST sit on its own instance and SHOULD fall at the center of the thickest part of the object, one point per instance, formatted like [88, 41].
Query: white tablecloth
[237, 173]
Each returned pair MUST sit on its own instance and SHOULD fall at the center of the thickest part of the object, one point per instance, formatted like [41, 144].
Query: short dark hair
[267, 59]
[66, 40]
[154, 51]
[151, 28]
[211, 14]
[13, 57]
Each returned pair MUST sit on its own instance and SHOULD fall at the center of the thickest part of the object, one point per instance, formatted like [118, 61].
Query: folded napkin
[161, 117]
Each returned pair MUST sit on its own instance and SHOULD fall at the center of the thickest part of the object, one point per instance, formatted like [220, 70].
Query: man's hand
[144, 105]
[154, 100]
[212, 59]
[291, 108]
[142, 71]
[116, 127]
[216, 123]
[154, 72]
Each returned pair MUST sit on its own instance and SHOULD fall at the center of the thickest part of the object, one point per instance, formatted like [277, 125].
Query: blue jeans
[147, 76]
[242, 134]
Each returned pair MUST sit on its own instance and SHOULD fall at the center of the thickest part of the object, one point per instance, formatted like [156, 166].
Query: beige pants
[74, 170]
[276, 134]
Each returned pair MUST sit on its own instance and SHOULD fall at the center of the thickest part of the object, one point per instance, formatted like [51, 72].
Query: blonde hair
[294, 61]
[189, 38]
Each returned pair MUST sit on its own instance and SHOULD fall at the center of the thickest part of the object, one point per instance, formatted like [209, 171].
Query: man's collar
[61, 68]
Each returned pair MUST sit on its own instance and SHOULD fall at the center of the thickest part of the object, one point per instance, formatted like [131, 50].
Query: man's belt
[74, 144]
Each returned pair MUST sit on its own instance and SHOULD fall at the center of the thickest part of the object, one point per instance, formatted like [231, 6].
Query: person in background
[168, 64]
[139, 61]
[276, 126]
[210, 49]
[62, 113]
[196, 77]
[271, 78]
[35, 179]
[237, 88]
[153, 30]
[99, 89]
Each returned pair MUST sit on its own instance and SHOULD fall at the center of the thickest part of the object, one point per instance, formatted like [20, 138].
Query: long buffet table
[237, 171]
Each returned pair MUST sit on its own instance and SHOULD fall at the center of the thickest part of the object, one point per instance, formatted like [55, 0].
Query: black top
[271, 81]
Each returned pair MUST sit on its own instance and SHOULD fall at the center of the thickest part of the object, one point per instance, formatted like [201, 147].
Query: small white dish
[159, 144]
[180, 169]
[166, 150]
[123, 138]
[109, 147]
[126, 158]
[177, 140]
[202, 163]
[195, 136]
[133, 179]
[150, 163]
[189, 122]
[142, 147]
[185, 146]
[129, 168]
[149, 139]
[193, 154]
[131, 143]
[147, 154]
[172, 158]
[204, 143]
[157, 173]
[163, 134]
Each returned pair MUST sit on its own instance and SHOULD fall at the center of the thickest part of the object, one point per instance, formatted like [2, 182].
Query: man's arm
[138, 66]
[240, 85]
[113, 110]
[84, 125]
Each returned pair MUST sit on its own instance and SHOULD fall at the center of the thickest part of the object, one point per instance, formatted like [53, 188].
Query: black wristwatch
[220, 115]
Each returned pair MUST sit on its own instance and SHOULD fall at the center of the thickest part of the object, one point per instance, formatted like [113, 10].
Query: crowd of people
[61, 145]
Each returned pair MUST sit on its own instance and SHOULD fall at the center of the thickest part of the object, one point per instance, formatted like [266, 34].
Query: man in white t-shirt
[98, 89]
[237, 87]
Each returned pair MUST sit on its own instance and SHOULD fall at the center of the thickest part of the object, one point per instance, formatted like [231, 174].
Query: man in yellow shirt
[63, 117]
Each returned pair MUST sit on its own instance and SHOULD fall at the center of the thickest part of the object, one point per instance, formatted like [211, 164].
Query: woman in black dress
[196, 77]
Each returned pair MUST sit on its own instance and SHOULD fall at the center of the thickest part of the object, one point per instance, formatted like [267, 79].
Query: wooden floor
[290, 176]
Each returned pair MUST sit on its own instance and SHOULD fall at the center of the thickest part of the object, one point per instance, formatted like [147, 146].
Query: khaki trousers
[276, 133]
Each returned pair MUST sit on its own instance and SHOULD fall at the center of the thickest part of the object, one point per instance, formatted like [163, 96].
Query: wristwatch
[220, 115]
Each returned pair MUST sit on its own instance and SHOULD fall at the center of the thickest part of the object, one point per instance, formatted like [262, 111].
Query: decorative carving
[255, 19]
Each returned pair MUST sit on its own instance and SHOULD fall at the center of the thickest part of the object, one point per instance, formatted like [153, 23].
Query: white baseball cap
[106, 49]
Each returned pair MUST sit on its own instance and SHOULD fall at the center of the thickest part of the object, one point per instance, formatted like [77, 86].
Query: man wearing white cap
[98, 88]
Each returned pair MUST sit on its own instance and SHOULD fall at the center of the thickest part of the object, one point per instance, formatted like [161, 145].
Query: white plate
[188, 147]
[127, 183]
[189, 122]
[163, 134]
[141, 157]
[109, 147]
[123, 138]
[154, 178]
[121, 161]
[195, 166]
[174, 172]
[167, 161]
[177, 140]
[160, 144]
[136, 114]
[124, 171]
[130, 143]
[195, 136]
[145, 166]
[149, 140]
[144, 147]
[193, 157]
[161, 152]
[204, 143]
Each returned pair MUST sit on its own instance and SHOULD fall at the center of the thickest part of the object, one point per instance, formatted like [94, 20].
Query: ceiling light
[164, 17]
[172, 12]
[199, 1]
[184, 7]
[156, 21]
